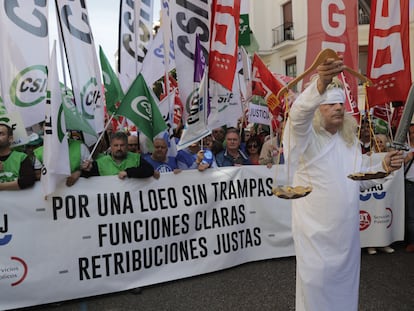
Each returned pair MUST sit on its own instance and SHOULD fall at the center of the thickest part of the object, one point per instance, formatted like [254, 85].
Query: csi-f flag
[113, 89]
[139, 106]
[56, 151]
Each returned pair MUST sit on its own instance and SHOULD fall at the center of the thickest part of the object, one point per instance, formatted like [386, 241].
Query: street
[387, 284]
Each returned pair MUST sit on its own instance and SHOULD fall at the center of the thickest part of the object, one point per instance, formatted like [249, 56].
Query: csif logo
[90, 96]
[13, 272]
[29, 86]
[364, 220]
[142, 107]
[377, 192]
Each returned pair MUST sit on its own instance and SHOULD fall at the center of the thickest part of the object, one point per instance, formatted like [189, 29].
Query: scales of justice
[294, 192]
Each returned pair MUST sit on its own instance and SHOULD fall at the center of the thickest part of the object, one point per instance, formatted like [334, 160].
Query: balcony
[283, 33]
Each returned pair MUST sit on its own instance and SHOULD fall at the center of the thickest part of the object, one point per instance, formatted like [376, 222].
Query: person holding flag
[120, 162]
[16, 170]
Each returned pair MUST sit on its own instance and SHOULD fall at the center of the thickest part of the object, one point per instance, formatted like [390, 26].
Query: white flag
[196, 125]
[189, 18]
[24, 56]
[135, 34]
[82, 62]
[153, 66]
[55, 142]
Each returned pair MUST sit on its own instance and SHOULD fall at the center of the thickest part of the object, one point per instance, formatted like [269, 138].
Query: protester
[253, 149]
[232, 155]
[16, 169]
[159, 159]
[187, 157]
[133, 143]
[120, 162]
[219, 134]
[381, 143]
[35, 141]
[365, 136]
[325, 223]
[213, 145]
[409, 193]
[210, 148]
[78, 153]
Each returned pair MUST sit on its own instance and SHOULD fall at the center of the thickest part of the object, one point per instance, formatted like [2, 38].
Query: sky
[104, 22]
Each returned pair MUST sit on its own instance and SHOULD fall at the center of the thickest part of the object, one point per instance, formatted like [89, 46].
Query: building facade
[280, 28]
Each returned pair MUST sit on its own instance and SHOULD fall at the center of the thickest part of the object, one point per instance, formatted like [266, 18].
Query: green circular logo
[29, 86]
[90, 95]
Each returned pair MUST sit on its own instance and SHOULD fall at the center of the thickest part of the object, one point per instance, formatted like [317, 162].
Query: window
[290, 68]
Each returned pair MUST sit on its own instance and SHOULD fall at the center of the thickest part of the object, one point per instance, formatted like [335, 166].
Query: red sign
[389, 52]
[333, 24]
[224, 38]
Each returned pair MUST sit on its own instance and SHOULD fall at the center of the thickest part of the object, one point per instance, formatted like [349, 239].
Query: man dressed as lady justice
[321, 139]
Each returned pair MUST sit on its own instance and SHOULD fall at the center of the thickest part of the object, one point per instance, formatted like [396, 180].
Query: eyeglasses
[252, 146]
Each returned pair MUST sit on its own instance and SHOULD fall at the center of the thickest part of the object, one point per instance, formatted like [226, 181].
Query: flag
[178, 105]
[56, 165]
[226, 107]
[139, 106]
[389, 52]
[135, 35]
[196, 125]
[334, 25]
[199, 61]
[73, 118]
[266, 85]
[153, 67]
[223, 44]
[24, 57]
[113, 89]
[351, 104]
[189, 11]
[82, 63]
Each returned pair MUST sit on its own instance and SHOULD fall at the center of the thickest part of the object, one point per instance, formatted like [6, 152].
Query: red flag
[396, 116]
[224, 38]
[389, 52]
[266, 85]
[178, 105]
[351, 104]
[334, 25]
[382, 112]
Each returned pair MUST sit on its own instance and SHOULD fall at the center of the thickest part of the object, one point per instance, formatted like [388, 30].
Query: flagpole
[62, 51]
[100, 136]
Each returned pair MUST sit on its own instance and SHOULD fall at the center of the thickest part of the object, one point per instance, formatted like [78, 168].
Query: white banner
[82, 61]
[23, 73]
[134, 38]
[106, 235]
[189, 18]
[382, 212]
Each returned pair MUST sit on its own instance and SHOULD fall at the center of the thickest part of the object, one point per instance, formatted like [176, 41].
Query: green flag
[139, 106]
[113, 90]
[73, 118]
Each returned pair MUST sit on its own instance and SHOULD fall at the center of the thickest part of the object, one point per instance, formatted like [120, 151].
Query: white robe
[325, 224]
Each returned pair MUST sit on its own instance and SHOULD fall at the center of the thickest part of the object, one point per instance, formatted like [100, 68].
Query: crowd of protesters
[120, 153]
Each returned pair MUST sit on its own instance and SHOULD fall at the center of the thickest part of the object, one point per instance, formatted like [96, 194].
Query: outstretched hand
[329, 69]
